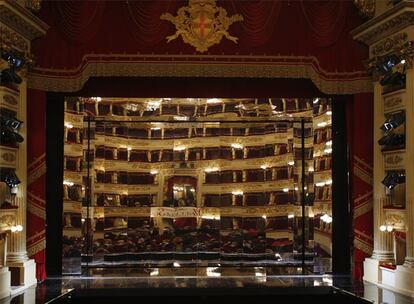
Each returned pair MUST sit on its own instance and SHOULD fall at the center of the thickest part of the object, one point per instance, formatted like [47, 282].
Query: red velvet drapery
[36, 173]
[91, 32]
[360, 140]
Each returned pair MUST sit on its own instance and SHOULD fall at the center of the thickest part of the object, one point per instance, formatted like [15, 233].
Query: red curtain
[360, 139]
[36, 173]
[319, 29]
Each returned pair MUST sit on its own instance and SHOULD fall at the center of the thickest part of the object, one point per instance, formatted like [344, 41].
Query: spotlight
[11, 179]
[393, 68]
[388, 63]
[392, 139]
[392, 179]
[393, 121]
[8, 130]
[15, 62]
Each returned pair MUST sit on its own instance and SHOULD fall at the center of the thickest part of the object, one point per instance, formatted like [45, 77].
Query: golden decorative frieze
[395, 218]
[12, 40]
[394, 160]
[248, 163]
[7, 219]
[34, 5]
[389, 44]
[8, 157]
[202, 24]
[393, 103]
[22, 20]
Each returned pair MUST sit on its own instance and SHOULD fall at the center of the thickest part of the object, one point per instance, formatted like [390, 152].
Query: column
[17, 258]
[382, 240]
[409, 167]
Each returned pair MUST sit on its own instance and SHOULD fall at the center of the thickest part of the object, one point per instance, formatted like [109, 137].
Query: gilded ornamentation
[202, 24]
[7, 98]
[34, 5]
[392, 103]
[389, 44]
[366, 7]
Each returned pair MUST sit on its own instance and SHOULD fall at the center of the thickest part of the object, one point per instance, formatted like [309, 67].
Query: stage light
[393, 121]
[392, 139]
[11, 122]
[8, 130]
[392, 179]
[11, 179]
[9, 74]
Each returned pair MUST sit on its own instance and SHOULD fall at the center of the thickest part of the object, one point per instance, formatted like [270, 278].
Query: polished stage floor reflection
[115, 285]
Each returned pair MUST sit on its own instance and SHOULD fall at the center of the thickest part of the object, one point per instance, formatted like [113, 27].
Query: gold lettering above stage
[202, 24]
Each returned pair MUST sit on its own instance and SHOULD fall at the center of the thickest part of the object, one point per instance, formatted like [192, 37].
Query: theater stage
[113, 286]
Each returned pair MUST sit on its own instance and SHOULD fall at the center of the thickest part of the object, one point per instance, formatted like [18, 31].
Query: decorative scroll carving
[34, 5]
[7, 98]
[393, 103]
[386, 28]
[389, 44]
[10, 39]
[394, 160]
[202, 24]
[366, 7]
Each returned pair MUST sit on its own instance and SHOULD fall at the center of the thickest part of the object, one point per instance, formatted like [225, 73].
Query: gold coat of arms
[201, 24]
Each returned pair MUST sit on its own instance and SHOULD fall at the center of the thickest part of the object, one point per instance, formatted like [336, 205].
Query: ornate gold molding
[201, 24]
[201, 66]
[34, 5]
[366, 7]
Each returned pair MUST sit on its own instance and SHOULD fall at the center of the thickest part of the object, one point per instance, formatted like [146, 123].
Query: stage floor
[119, 285]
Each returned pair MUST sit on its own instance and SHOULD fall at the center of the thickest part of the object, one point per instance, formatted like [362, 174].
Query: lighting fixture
[311, 169]
[382, 228]
[153, 105]
[213, 100]
[291, 163]
[390, 228]
[11, 179]
[326, 218]
[15, 62]
[392, 139]
[329, 113]
[181, 118]
[17, 228]
[8, 129]
[237, 192]
[176, 264]
[129, 148]
[179, 148]
[329, 143]
[154, 171]
[291, 216]
[264, 167]
[237, 146]
[264, 216]
[392, 179]
[316, 100]
[393, 121]
[328, 151]
[68, 183]
[96, 99]
[285, 189]
[322, 124]
[68, 125]
[211, 169]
